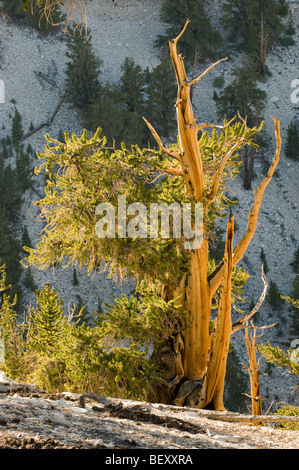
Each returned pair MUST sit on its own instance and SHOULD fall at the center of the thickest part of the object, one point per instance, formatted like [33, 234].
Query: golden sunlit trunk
[201, 355]
[198, 310]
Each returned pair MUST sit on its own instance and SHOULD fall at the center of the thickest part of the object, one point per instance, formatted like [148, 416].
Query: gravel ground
[30, 419]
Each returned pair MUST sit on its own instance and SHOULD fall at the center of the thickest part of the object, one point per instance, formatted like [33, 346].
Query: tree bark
[255, 389]
[201, 358]
[221, 333]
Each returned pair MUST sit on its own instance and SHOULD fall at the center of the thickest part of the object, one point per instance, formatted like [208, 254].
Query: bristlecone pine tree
[292, 144]
[195, 297]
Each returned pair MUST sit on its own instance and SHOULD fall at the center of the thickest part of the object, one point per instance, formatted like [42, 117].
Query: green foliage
[75, 278]
[89, 174]
[17, 128]
[144, 319]
[32, 15]
[294, 301]
[117, 108]
[24, 169]
[282, 8]
[81, 312]
[274, 296]
[218, 82]
[26, 241]
[4, 149]
[10, 202]
[10, 336]
[264, 260]
[132, 86]
[200, 35]
[295, 262]
[286, 41]
[13, 184]
[292, 144]
[283, 359]
[29, 280]
[55, 353]
[161, 94]
[140, 93]
[243, 96]
[242, 20]
[290, 29]
[286, 360]
[82, 86]
[288, 410]
[119, 124]
[46, 320]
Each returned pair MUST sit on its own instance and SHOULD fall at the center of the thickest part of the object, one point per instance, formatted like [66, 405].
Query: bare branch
[216, 277]
[72, 6]
[205, 125]
[5, 21]
[196, 80]
[175, 40]
[240, 323]
[174, 171]
[217, 178]
[167, 150]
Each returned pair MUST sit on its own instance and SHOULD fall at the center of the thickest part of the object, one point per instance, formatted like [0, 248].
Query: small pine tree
[200, 34]
[26, 241]
[82, 84]
[31, 14]
[264, 261]
[29, 280]
[47, 319]
[24, 168]
[161, 96]
[82, 312]
[132, 86]
[242, 95]
[295, 262]
[75, 278]
[274, 297]
[11, 338]
[17, 128]
[242, 20]
[292, 144]
[61, 136]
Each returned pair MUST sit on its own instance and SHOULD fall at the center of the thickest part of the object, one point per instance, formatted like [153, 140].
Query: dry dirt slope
[32, 419]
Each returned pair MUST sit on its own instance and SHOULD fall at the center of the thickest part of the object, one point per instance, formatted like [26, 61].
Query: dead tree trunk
[202, 355]
[253, 369]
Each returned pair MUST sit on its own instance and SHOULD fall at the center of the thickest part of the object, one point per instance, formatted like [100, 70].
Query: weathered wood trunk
[198, 311]
[255, 390]
[201, 356]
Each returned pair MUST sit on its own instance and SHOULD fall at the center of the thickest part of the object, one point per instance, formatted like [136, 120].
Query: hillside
[129, 28]
[31, 419]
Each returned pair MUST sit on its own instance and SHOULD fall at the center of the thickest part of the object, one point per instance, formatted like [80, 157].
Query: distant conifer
[292, 143]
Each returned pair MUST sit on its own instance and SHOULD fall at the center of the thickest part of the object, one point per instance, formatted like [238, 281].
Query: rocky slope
[31, 419]
[129, 28]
